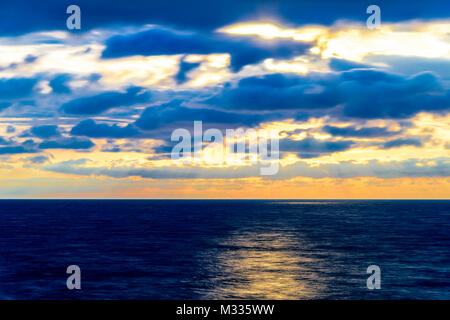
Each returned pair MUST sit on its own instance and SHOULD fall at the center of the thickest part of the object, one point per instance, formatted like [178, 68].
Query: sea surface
[227, 249]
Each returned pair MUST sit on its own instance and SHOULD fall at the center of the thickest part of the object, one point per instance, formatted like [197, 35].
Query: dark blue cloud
[375, 94]
[105, 101]
[30, 59]
[22, 16]
[28, 146]
[111, 149]
[165, 42]
[163, 151]
[185, 67]
[94, 77]
[16, 88]
[59, 84]
[351, 131]
[46, 131]
[169, 113]
[14, 150]
[91, 129]
[67, 143]
[415, 142]
[356, 93]
[280, 92]
[311, 148]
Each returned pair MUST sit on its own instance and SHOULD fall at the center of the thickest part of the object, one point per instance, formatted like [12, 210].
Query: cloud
[376, 94]
[12, 147]
[16, 88]
[112, 149]
[368, 132]
[416, 142]
[14, 150]
[279, 92]
[312, 148]
[185, 67]
[27, 60]
[393, 169]
[46, 131]
[91, 129]
[30, 59]
[59, 84]
[37, 159]
[67, 143]
[104, 101]
[345, 65]
[413, 65]
[172, 112]
[3, 141]
[157, 41]
[366, 94]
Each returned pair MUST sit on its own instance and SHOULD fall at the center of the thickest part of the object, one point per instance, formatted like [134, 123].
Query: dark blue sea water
[162, 249]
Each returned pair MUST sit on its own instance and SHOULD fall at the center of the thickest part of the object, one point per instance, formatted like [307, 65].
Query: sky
[357, 112]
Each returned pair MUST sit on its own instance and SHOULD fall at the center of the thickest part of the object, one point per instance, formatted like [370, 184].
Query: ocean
[224, 249]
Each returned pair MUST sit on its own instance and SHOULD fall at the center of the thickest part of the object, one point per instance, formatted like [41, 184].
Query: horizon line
[238, 199]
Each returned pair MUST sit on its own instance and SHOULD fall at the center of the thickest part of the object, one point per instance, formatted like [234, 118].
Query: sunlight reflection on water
[263, 266]
[306, 202]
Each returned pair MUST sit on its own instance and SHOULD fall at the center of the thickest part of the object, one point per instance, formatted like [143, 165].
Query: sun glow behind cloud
[357, 42]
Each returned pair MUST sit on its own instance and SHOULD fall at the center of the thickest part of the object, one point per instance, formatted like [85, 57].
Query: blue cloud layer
[361, 94]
